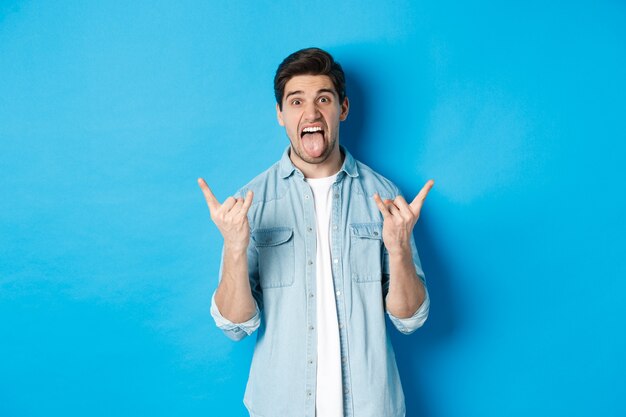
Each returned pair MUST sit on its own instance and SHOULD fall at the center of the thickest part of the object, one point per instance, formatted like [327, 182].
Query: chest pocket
[366, 251]
[276, 256]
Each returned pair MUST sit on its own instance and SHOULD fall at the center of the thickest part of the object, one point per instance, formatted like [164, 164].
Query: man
[316, 250]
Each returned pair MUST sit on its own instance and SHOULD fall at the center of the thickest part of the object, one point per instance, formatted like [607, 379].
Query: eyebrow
[322, 90]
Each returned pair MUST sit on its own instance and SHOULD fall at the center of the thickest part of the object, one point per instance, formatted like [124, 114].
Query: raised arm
[233, 296]
[406, 290]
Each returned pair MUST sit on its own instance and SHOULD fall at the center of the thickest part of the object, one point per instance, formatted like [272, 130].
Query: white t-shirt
[329, 398]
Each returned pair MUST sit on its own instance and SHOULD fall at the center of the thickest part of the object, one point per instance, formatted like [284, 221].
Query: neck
[329, 167]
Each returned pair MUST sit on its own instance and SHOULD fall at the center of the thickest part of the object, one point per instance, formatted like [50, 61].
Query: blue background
[109, 111]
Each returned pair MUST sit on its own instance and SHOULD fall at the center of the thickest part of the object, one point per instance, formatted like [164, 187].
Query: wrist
[400, 252]
[235, 249]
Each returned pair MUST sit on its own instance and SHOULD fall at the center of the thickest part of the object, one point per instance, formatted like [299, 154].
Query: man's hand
[399, 218]
[230, 217]
[406, 291]
[233, 296]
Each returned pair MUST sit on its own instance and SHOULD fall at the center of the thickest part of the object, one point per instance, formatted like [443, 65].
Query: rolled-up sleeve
[410, 324]
[235, 331]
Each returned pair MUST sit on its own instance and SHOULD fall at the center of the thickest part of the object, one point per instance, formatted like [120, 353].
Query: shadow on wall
[413, 352]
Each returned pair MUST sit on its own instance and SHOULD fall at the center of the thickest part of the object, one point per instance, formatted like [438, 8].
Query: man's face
[311, 114]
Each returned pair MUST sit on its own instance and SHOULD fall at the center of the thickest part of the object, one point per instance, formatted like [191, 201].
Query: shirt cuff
[235, 331]
[410, 324]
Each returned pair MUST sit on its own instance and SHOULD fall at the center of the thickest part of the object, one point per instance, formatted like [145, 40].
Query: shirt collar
[286, 167]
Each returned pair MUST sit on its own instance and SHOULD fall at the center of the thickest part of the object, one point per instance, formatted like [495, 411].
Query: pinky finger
[248, 201]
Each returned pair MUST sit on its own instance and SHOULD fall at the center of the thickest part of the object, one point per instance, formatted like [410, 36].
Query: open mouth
[311, 130]
[313, 142]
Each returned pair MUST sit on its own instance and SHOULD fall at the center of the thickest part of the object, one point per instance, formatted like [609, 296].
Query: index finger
[210, 198]
[421, 196]
[381, 206]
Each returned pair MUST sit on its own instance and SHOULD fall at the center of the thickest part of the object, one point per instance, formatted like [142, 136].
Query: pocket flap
[367, 230]
[272, 236]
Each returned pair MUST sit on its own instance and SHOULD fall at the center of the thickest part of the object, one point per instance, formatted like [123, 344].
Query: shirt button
[306, 196]
[375, 233]
[336, 195]
[346, 391]
[309, 393]
[343, 359]
[311, 327]
[336, 260]
[310, 262]
[308, 229]
[341, 326]
[310, 362]
[311, 295]
[338, 293]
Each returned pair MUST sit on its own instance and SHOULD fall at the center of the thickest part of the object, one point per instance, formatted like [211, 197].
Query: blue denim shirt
[281, 265]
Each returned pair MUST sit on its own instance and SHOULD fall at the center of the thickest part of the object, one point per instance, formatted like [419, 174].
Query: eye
[324, 99]
[295, 102]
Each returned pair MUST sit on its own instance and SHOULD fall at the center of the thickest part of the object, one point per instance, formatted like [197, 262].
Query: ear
[345, 109]
[279, 115]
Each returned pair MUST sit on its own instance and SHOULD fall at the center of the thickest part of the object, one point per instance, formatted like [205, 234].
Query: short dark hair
[309, 61]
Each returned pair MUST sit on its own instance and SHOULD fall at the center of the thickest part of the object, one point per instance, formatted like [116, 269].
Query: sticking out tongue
[313, 144]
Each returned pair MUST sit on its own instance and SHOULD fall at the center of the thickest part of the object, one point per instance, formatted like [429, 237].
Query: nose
[311, 111]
